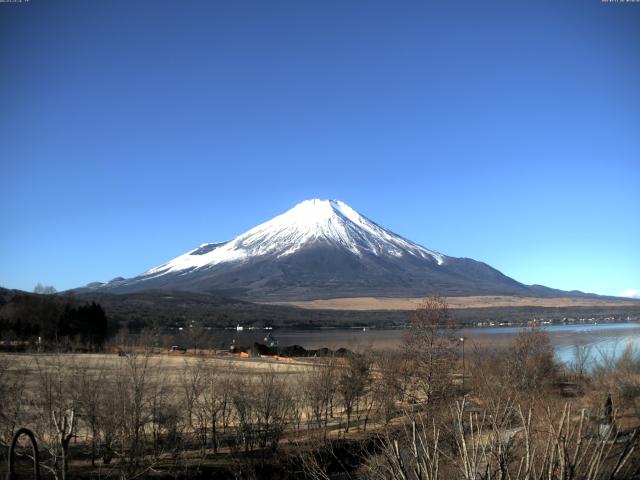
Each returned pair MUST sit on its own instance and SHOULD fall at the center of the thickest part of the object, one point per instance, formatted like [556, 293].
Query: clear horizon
[505, 132]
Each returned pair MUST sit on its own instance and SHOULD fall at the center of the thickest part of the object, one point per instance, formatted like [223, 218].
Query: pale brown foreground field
[172, 366]
[410, 303]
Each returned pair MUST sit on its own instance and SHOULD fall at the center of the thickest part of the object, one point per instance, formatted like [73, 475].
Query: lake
[608, 339]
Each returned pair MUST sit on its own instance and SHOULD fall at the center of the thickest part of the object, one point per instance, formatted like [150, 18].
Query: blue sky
[508, 132]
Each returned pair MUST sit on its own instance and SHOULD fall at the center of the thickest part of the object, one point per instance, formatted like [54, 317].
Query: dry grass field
[410, 303]
[171, 367]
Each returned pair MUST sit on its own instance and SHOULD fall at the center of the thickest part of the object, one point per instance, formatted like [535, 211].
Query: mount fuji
[322, 249]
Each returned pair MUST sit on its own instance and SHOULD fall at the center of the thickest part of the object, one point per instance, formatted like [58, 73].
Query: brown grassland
[411, 303]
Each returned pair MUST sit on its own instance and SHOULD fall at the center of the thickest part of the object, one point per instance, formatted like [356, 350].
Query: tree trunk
[65, 451]
[214, 434]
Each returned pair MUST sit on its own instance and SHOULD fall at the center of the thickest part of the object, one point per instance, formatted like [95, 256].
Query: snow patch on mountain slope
[330, 221]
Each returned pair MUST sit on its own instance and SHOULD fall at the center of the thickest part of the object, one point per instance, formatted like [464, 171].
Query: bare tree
[431, 348]
[65, 428]
[298, 401]
[132, 391]
[505, 442]
[13, 395]
[212, 401]
[530, 365]
[167, 415]
[388, 385]
[90, 382]
[57, 407]
[412, 455]
[320, 389]
[353, 381]
[272, 408]
[618, 373]
[581, 360]
[191, 383]
[243, 402]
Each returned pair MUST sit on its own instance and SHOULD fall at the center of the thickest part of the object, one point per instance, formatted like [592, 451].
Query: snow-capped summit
[320, 249]
[313, 221]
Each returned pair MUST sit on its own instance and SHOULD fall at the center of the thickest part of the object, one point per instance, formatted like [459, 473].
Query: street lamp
[462, 342]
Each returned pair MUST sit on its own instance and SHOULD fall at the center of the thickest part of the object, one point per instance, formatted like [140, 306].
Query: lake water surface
[608, 339]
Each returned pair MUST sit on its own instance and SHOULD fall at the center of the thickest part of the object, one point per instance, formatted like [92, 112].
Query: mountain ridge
[323, 249]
